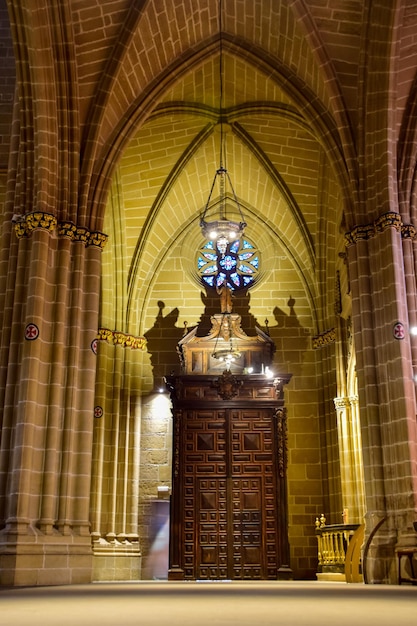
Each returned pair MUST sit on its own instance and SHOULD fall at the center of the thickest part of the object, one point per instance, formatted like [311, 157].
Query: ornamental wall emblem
[227, 385]
[398, 330]
[31, 332]
[98, 412]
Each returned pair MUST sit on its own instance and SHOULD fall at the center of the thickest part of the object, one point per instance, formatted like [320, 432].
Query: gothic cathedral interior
[208, 345]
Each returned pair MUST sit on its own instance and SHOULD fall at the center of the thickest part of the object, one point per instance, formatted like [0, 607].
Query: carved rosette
[227, 385]
[281, 417]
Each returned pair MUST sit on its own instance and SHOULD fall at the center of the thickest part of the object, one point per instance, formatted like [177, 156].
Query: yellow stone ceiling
[279, 170]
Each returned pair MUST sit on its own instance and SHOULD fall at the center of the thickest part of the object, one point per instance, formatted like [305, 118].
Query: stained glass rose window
[239, 265]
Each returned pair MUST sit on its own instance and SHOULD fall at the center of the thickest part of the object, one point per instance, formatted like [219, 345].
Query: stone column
[351, 465]
[116, 457]
[48, 365]
[386, 391]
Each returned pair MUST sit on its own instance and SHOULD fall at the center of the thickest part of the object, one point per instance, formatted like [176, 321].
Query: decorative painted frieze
[118, 338]
[408, 231]
[324, 339]
[82, 234]
[380, 225]
[25, 224]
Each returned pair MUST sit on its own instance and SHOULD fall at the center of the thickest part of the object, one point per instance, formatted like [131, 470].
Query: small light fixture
[269, 373]
[227, 352]
[222, 231]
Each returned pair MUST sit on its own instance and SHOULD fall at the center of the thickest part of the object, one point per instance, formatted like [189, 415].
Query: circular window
[239, 265]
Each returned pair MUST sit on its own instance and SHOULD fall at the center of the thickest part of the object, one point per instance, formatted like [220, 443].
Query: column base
[116, 561]
[37, 559]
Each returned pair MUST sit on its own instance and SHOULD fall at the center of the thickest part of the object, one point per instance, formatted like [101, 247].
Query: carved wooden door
[228, 509]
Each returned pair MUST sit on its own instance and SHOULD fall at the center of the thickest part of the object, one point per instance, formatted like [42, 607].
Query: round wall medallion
[398, 330]
[98, 411]
[31, 332]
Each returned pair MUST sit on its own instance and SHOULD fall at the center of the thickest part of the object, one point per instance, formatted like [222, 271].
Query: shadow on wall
[290, 338]
[162, 340]
[240, 304]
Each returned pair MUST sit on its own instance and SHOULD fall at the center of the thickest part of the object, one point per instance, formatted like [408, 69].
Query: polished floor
[211, 604]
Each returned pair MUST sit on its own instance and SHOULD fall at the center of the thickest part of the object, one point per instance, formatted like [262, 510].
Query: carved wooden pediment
[252, 352]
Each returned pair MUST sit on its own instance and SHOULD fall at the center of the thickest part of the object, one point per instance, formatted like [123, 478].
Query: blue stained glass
[237, 268]
[245, 269]
[228, 262]
[221, 277]
[235, 279]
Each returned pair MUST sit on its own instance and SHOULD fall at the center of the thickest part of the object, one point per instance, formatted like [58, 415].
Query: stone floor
[211, 604]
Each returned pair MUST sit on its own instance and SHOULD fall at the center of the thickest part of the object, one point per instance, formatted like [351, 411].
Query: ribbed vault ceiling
[278, 167]
[308, 86]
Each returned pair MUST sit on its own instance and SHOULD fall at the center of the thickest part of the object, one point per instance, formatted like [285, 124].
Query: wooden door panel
[205, 537]
[227, 481]
[234, 446]
[212, 530]
[247, 528]
[252, 441]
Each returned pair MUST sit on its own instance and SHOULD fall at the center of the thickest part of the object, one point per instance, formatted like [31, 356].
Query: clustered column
[48, 368]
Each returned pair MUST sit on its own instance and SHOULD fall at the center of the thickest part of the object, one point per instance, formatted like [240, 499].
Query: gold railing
[339, 550]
